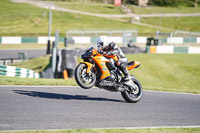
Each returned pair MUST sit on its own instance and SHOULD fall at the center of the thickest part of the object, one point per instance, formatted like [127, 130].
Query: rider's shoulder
[113, 44]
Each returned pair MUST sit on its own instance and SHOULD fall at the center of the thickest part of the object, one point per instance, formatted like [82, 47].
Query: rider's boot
[127, 78]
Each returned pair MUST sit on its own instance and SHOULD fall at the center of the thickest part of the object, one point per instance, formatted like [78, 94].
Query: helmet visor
[100, 47]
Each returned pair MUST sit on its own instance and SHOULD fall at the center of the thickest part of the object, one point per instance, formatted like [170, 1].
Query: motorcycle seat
[130, 64]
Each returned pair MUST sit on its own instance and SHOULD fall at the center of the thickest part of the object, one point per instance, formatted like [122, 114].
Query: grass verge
[180, 23]
[27, 46]
[91, 7]
[37, 64]
[39, 46]
[174, 73]
[146, 130]
[29, 81]
[157, 9]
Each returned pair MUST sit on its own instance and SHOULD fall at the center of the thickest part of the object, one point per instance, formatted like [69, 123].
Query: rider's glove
[107, 53]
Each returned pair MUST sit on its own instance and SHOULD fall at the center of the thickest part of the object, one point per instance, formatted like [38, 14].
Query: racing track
[31, 53]
[27, 108]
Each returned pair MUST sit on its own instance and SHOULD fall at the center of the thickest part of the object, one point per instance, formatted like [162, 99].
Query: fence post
[54, 53]
[48, 47]
[49, 33]
[65, 41]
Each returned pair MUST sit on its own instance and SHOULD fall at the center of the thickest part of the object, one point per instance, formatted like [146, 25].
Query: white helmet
[102, 42]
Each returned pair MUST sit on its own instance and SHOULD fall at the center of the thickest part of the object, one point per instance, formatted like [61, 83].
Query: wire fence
[122, 37]
[178, 37]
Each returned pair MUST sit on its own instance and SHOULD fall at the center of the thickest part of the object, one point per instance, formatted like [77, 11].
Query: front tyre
[84, 79]
[133, 95]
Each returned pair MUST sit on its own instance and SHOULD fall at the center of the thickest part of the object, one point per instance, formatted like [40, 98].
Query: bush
[190, 3]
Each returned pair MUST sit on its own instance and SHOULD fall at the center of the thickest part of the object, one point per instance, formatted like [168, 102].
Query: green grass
[23, 46]
[38, 46]
[180, 23]
[157, 9]
[27, 46]
[175, 72]
[36, 64]
[30, 81]
[28, 20]
[93, 8]
[147, 130]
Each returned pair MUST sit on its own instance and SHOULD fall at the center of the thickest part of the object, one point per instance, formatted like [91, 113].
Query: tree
[196, 3]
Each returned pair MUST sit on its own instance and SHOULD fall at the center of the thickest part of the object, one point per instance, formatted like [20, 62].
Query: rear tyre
[133, 96]
[84, 79]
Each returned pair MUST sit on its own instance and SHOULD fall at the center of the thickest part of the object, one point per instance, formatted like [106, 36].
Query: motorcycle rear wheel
[83, 79]
[133, 96]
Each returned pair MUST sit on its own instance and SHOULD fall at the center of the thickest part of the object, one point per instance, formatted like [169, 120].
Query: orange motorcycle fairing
[101, 62]
[133, 64]
[89, 66]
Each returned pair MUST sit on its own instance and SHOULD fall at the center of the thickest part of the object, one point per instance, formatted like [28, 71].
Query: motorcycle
[99, 70]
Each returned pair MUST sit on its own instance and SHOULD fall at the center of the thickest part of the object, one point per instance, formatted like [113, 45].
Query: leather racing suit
[113, 49]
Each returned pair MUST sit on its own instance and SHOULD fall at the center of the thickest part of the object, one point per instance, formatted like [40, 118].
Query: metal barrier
[9, 61]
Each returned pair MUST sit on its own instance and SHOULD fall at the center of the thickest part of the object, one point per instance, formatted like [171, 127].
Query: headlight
[86, 55]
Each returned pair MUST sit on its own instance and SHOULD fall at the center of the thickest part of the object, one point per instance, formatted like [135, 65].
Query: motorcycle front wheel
[84, 79]
[133, 95]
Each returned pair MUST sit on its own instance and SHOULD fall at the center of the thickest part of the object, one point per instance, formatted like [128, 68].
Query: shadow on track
[61, 96]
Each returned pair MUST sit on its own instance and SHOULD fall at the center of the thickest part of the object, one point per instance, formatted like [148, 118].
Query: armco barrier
[13, 71]
[87, 40]
[165, 49]
[172, 49]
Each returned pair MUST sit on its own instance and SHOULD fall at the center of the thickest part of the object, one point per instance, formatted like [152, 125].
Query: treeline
[191, 3]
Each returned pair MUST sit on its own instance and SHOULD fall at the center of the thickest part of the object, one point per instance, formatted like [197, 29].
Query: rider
[106, 47]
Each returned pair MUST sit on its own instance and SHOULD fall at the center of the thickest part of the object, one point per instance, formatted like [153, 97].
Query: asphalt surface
[28, 108]
[7, 54]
